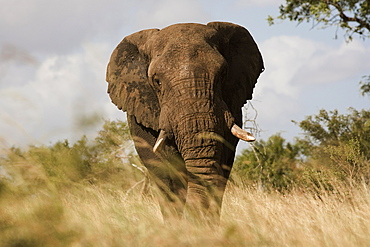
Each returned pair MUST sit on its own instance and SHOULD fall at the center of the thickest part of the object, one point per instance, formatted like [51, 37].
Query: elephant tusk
[160, 140]
[242, 134]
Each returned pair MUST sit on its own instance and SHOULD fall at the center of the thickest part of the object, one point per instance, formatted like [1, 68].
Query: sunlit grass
[91, 215]
[88, 195]
[299, 218]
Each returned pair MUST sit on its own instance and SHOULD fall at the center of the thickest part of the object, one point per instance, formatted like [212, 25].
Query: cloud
[294, 63]
[333, 64]
[303, 76]
[64, 90]
[58, 27]
[261, 3]
[283, 57]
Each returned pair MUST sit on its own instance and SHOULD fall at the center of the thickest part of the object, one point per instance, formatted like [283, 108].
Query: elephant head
[183, 88]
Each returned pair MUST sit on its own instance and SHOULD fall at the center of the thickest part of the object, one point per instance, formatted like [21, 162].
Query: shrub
[274, 163]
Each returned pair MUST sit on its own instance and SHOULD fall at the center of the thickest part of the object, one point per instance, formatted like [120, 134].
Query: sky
[53, 58]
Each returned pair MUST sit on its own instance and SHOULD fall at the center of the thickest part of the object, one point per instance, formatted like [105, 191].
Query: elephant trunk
[199, 139]
[199, 133]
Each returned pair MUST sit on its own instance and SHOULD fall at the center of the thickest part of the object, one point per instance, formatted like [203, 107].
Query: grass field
[44, 213]
[81, 195]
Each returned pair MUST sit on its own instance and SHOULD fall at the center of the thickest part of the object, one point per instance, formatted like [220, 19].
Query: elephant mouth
[235, 130]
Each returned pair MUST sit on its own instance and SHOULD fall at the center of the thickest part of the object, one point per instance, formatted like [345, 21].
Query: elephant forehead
[188, 30]
[187, 61]
[179, 37]
[182, 50]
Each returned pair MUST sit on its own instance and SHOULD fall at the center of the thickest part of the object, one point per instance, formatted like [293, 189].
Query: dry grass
[88, 215]
[39, 209]
[299, 219]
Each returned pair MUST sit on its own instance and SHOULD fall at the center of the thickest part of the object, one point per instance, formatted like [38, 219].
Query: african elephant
[183, 88]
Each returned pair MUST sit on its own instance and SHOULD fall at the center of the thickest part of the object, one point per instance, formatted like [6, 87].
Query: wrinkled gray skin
[191, 81]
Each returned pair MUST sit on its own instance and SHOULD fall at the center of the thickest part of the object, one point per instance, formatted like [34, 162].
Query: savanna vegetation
[334, 148]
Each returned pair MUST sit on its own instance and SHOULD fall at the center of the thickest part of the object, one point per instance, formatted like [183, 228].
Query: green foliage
[332, 129]
[105, 161]
[113, 135]
[272, 163]
[365, 85]
[349, 162]
[113, 145]
[353, 16]
[334, 148]
[63, 162]
[340, 142]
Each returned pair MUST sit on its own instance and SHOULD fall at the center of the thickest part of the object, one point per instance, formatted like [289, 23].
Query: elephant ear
[244, 61]
[127, 78]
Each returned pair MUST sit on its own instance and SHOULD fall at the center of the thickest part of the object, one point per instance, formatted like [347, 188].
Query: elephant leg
[166, 170]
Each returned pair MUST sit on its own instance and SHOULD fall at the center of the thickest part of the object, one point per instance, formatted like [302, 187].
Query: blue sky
[53, 56]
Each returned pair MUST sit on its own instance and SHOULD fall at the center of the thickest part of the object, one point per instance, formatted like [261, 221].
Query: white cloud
[53, 26]
[333, 64]
[303, 76]
[64, 90]
[293, 63]
[284, 56]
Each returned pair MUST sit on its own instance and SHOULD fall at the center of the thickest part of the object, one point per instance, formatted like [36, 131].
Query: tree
[353, 16]
[109, 160]
[334, 146]
[114, 143]
[272, 163]
[332, 128]
[340, 143]
[365, 85]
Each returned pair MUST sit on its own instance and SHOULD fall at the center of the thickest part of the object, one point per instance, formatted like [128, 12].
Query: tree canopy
[353, 16]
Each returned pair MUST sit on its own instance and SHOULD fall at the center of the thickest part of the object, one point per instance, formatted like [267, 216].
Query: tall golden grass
[37, 211]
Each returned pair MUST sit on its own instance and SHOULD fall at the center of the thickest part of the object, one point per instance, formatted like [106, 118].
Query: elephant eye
[156, 80]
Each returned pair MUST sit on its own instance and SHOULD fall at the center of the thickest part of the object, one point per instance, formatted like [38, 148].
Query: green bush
[340, 143]
[105, 161]
[273, 164]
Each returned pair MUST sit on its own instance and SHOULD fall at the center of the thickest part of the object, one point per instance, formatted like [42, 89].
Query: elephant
[183, 88]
